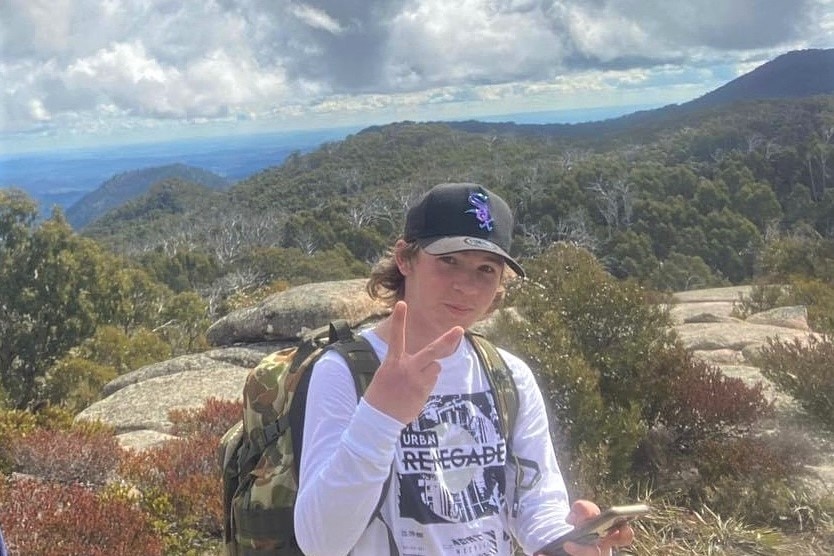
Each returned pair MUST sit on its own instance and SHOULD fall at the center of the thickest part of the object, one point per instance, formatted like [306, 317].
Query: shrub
[76, 380]
[15, 422]
[804, 371]
[67, 520]
[818, 297]
[704, 403]
[180, 479]
[186, 470]
[613, 374]
[763, 297]
[71, 456]
[213, 419]
[757, 458]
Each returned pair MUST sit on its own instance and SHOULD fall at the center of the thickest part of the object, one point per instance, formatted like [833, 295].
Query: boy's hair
[387, 283]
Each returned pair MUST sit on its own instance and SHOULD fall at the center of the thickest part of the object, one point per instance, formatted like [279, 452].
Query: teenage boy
[420, 465]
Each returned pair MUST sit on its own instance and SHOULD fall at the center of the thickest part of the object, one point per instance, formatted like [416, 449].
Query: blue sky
[85, 72]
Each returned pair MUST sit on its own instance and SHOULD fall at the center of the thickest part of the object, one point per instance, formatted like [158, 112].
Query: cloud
[316, 18]
[87, 63]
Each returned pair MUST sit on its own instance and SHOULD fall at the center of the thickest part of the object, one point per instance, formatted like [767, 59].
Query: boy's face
[456, 289]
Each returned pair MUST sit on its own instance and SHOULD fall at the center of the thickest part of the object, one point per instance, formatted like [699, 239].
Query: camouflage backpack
[260, 455]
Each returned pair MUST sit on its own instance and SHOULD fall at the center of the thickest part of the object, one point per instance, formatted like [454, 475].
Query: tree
[56, 289]
[50, 286]
[186, 320]
[757, 202]
[711, 196]
[683, 272]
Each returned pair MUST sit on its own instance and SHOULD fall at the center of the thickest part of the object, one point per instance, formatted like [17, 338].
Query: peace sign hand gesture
[403, 382]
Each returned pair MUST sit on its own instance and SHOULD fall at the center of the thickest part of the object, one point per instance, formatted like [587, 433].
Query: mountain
[800, 73]
[126, 186]
[796, 74]
[165, 201]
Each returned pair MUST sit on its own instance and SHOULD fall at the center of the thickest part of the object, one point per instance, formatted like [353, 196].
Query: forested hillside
[688, 203]
[126, 186]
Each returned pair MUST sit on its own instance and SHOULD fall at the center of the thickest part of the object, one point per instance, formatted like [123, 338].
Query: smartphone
[593, 529]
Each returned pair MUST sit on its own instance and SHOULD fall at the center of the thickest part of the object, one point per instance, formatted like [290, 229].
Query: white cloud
[316, 18]
[123, 64]
[435, 42]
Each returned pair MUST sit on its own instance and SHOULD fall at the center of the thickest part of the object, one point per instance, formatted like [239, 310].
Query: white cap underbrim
[456, 244]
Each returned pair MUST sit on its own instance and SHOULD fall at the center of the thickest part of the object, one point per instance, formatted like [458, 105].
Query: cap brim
[456, 244]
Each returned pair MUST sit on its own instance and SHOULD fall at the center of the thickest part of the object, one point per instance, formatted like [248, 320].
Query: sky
[83, 72]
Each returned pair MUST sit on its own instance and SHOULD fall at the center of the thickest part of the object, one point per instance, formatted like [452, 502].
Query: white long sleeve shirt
[452, 483]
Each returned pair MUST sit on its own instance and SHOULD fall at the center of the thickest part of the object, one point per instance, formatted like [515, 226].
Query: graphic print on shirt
[452, 461]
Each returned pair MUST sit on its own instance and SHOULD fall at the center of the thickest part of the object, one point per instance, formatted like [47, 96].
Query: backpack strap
[362, 362]
[357, 352]
[501, 382]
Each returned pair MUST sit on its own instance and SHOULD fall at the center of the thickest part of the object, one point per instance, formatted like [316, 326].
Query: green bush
[628, 403]
[75, 380]
[818, 297]
[805, 371]
[762, 297]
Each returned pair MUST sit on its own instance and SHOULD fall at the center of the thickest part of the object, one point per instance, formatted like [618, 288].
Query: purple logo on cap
[481, 210]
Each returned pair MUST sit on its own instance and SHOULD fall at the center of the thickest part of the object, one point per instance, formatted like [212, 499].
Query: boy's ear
[403, 262]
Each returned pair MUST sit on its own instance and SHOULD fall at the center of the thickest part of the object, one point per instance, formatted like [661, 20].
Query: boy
[420, 463]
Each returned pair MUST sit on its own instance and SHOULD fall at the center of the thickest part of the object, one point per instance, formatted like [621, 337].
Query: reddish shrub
[187, 471]
[703, 401]
[751, 457]
[213, 419]
[67, 456]
[68, 520]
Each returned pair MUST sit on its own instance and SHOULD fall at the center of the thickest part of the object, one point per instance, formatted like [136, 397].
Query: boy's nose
[464, 282]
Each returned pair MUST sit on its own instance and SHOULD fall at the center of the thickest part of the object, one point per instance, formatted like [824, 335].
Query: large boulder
[137, 403]
[285, 316]
[239, 356]
[145, 405]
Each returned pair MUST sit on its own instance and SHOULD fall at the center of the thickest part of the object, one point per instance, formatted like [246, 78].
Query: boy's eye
[488, 269]
[447, 259]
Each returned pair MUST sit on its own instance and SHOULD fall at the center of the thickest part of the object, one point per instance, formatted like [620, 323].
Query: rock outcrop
[705, 324]
[137, 403]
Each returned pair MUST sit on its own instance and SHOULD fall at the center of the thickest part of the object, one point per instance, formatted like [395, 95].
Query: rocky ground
[705, 323]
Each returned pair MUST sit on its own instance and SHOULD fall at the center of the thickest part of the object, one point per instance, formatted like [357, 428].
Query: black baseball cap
[453, 217]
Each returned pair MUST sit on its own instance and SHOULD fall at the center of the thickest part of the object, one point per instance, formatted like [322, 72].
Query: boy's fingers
[442, 347]
[396, 342]
[582, 510]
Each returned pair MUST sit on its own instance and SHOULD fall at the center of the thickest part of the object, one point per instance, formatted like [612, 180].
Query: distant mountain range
[796, 74]
[128, 186]
[801, 73]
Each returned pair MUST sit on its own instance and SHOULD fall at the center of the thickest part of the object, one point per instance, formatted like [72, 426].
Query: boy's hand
[583, 510]
[403, 382]
[580, 512]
